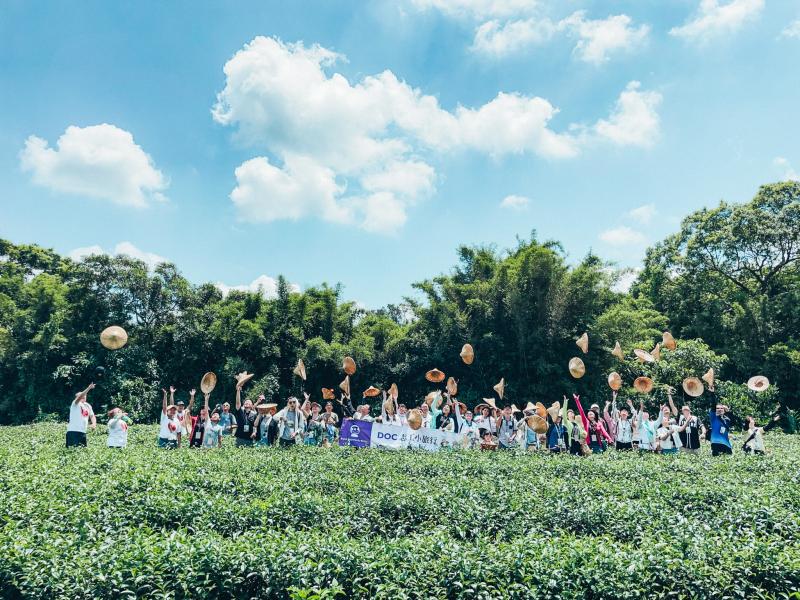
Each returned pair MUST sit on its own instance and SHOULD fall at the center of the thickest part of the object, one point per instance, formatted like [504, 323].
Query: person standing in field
[246, 419]
[668, 436]
[81, 417]
[197, 425]
[212, 429]
[118, 424]
[755, 435]
[694, 431]
[720, 419]
[169, 433]
[290, 424]
[227, 420]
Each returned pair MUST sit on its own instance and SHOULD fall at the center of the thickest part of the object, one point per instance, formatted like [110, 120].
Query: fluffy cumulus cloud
[360, 152]
[500, 38]
[100, 161]
[634, 120]
[714, 18]
[264, 284]
[599, 38]
[515, 202]
[123, 248]
[623, 236]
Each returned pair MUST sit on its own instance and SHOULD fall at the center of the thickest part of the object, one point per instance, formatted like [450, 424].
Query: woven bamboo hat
[467, 354]
[114, 337]
[576, 367]
[583, 343]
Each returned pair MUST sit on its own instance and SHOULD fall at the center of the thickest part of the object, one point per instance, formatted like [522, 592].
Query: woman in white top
[212, 434]
[668, 438]
[169, 433]
[118, 428]
[486, 422]
[81, 416]
[755, 435]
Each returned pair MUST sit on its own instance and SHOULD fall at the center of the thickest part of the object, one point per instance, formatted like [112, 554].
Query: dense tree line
[727, 285]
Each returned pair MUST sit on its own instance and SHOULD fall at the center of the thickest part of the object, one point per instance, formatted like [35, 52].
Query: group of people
[555, 429]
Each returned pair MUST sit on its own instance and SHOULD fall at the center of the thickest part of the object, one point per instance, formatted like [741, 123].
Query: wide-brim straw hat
[430, 397]
[617, 351]
[668, 341]
[371, 392]
[452, 386]
[500, 387]
[555, 410]
[170, 407]
[414, 419]
[349, 365]
[656, 353]
[709, 378]
[208, 382]
[541, 410]
[345, 386]
[537, 423]
[530, 407]
[644, 356]
[393, 391]
[267, 406]
[576, 367]
[583, 343]
[467, 354]
[388, 406]
[614, 381]
[300, 369]
[327, 394]
[643, 385]
[487, 402]
[243, 378]
[758, 383]
[693, 387]
[435, 376]
[114, 337]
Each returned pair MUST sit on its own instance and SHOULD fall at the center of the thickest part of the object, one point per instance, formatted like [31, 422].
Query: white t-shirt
[79, 415]
[672, 441]
[213, 432]
[165, 431]
[117, 433]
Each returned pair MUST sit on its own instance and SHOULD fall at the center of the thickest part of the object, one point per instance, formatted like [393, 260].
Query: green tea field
[318, 523]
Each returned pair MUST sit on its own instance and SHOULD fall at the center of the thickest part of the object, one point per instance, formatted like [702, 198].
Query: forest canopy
[726, 285]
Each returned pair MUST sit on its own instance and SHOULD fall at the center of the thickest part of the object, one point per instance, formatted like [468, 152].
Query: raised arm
[164, 402]
[205, 404]
[187, 415]
[584, 418]
[604, 433]
[238, 397]
[672, 403]
[83, 393]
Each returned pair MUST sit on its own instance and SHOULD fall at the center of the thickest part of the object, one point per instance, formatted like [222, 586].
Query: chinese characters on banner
[363, 434]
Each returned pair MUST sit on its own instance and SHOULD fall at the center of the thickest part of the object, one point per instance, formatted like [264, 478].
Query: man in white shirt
[81, 416]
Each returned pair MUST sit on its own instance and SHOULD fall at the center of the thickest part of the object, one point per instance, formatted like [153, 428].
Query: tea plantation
[316, 523]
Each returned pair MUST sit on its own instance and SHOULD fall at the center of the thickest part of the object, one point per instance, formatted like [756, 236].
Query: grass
[316, 523]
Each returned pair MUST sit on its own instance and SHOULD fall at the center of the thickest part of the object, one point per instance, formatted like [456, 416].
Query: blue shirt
[720, 426]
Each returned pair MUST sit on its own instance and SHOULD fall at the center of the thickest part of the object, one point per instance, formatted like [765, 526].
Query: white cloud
[788, 172]
[100, 161]
[123, 248]
[601, 37]
[643, 214]
[713, 18]
[515, 202]
[792, 30]
[635, 120]
[496, 38]
[267, 285]
[622, 236]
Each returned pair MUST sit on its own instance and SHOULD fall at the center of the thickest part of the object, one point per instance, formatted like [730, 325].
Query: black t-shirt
[690, 437]
[246, 421]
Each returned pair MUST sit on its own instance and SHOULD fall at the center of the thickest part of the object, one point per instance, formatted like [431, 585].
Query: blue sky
[361, 143]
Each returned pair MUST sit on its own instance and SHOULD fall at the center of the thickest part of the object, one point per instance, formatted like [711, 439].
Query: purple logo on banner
[355, 433]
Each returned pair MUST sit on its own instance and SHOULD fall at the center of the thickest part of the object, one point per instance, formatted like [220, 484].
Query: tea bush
[343, 523]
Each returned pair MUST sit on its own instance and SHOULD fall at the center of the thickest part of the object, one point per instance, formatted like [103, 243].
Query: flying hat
[643, 356]
[208, 382]
[327, 394]
[114, 337]
[434, 376]
[537, 423]
[430, 397]
[414, 419]
[371, 392]
[393, 391]
[388, 406]
[530, 407]
[345, 386]
[617, 351]
[487, 402]
[614, 381]
[467, 354]
[541, 410]
[758, 383]
[643, 385]
[709, 378]
[452, 386]
[576, 367]
[514, 409]
[463, 408]
[656, 353]
[243, 378]
[300, 369]
[349, 365]
[500, 387]
[583, 343]
[554, 410]
[668, 341]
[693, 387]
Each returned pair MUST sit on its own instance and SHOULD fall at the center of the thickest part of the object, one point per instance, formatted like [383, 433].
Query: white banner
[399, 437]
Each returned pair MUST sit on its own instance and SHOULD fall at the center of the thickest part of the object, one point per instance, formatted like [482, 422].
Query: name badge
[246, 428]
